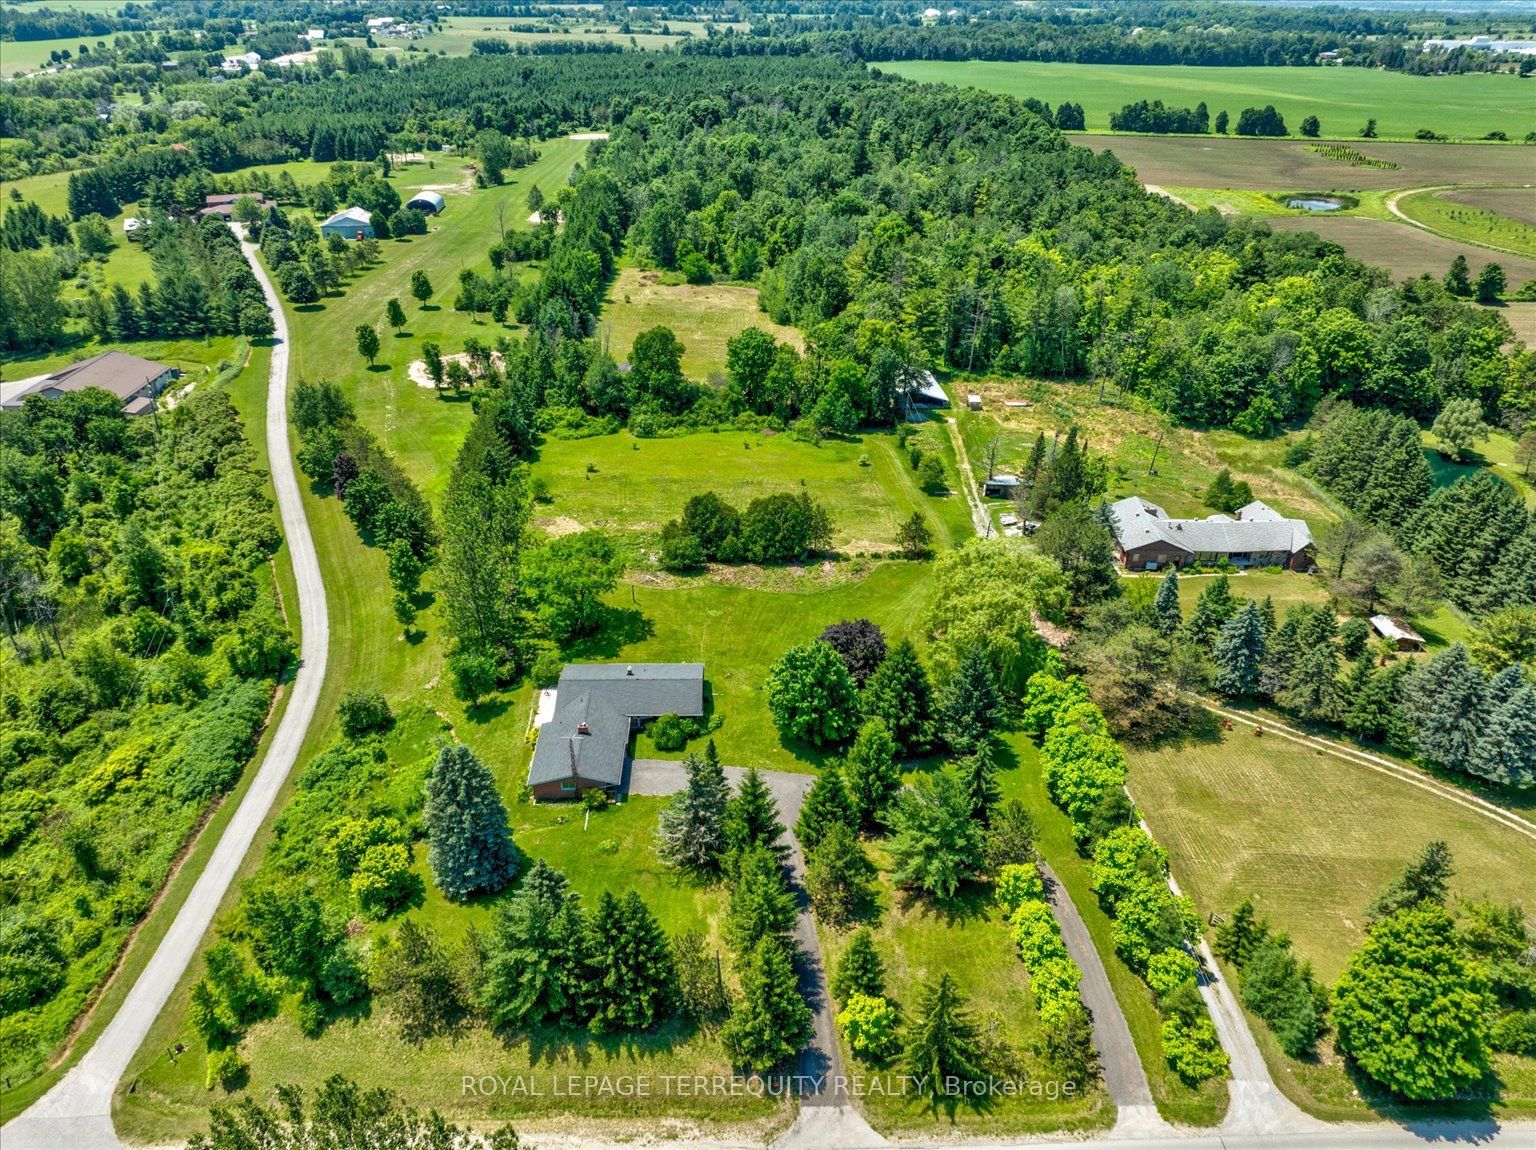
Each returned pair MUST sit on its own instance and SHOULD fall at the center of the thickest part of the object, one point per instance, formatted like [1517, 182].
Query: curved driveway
[77, 1113]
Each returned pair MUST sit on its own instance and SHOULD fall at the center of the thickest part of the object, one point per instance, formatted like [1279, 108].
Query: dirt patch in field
[559, 525]
[417, 372]
[1407, 252]
[588, 136]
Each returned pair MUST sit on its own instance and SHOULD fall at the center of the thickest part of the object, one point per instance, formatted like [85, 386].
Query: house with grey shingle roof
[1256, 535]
[597, 707]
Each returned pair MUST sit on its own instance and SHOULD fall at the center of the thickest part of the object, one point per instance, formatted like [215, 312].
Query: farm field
[704, 317]
[633, 486]
[458, 33]
[1301, 834]
[1405, 251]
[1216, 162]
[1468, 105]
[1513, 203]
[1452, 215]
[918, 941]
[1020, 778]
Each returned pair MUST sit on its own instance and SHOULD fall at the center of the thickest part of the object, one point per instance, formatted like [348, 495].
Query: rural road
[979, 517]
[77, 1113]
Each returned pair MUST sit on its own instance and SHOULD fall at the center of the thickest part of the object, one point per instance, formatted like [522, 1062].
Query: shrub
[32, 964]
[812, 697]
[546, 668]
[1169, 969]
[671, 732]
[1515, 1033]
[870, 1026]
[226, 1070]
[383, 881]
[1193, 1050]
[1036, 934]
[363, 712]
[1151, 918]
[1018, 883]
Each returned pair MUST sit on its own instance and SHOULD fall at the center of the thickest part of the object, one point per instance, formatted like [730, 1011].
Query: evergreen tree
[634, 985]
[1426, 879]
[1458, 281]
[1240, 935]
[1010, 838]
[1372, 706]
[468, 844]
[1214, 607]
[1239, 652]
[1443, 704]
[943, 1043]
[1267, 614]
[752, 819]
[934, 842]
[969, 703]
[898, 694]
[761, 905]
[691, 831]
[872, 777]
[860, 970]
[1170, 616]
[535, 968]
[980, 774]
[770, 1022]
[838, 876]
[826, 805]
[1506, 751]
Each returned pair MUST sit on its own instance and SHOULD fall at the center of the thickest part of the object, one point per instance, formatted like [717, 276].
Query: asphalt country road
[77, 1113]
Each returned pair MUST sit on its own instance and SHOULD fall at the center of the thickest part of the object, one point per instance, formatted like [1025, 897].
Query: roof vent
[630, 671]
[582, 729]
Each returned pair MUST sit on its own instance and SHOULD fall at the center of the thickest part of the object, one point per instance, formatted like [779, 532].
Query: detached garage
[427, 203]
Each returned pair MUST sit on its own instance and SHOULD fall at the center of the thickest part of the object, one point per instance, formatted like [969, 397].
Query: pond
[1314, 203]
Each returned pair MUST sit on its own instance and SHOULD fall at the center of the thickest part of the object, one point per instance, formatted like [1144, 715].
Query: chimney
[630, 672]
[581, 728]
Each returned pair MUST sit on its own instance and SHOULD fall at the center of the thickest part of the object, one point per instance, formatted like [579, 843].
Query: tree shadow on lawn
[1427, 1119]
[553, 1045]
[971, 903]
[620, 627]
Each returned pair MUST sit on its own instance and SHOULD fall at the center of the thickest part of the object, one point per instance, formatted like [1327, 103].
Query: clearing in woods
[703, 316]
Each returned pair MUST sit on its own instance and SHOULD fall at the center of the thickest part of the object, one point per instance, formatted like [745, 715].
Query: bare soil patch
[1513, 203]
[1405, 251]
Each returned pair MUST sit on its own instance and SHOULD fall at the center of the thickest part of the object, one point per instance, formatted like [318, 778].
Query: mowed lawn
[634, 486]
[969, 939]
[1310, 837]
[704, 317]
[739, 632]
[422, 428]
[1468, 105]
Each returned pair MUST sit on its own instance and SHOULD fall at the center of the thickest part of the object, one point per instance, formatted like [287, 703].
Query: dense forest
[144, 645]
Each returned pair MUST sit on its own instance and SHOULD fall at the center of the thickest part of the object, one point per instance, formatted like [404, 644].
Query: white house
[246, 63]
[315, 34]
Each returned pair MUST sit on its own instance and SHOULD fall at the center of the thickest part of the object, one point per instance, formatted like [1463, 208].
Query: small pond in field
[1314, 203]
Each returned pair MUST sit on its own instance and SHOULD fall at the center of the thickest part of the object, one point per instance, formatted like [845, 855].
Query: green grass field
[1176, 1101]
[1467, 105]
[918, 940]
[1302, 834]
[628, 485]
[1473, 224]
[705, 317]
[422, 428]
[458, 33]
